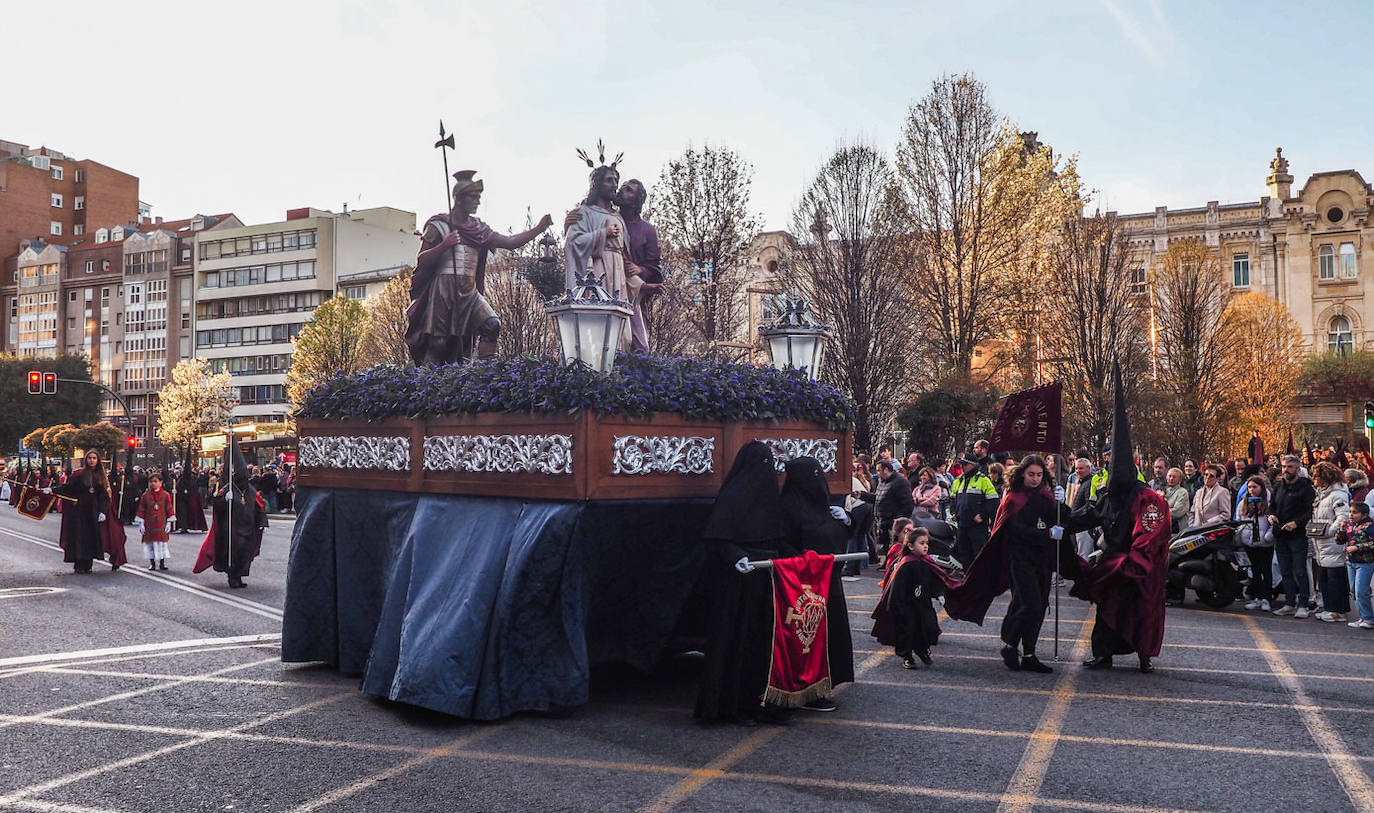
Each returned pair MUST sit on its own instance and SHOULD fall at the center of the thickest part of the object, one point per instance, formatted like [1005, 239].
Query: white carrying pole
[841, 557]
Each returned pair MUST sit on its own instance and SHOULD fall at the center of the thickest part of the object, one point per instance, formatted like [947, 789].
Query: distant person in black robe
[817, 525]
[240, 515]
[747, 523]
[190, 509]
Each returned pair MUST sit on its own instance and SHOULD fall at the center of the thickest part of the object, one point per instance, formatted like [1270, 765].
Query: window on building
[55, 228]
[1338, 335]
[1240, 270]
[81, 176]
[56, 201]
[56, 173]
[1348, 268]
[71, 295]
[1326, 262]
[356, 292]
[79, 202]
[90, 266]
[1138, 281]
[79, 228]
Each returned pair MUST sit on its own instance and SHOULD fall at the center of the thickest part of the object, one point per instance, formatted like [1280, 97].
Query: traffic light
[133, 441]
[35, 382]
[49, 383]
[1369, 414]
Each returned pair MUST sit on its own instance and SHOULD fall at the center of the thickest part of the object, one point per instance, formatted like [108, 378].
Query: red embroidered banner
[1030, 421]
[34, 504]
[800, 670]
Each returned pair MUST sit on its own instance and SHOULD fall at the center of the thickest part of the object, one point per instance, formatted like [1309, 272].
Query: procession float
[474, 534]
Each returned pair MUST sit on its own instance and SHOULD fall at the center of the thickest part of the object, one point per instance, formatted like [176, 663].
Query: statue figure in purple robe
[606, 236]
[644, 261]
[449, 316]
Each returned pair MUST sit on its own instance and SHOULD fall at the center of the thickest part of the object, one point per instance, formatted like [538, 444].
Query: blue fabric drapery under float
[482, 607]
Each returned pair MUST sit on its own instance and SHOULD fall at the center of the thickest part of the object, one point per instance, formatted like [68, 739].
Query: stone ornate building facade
[1313, 251]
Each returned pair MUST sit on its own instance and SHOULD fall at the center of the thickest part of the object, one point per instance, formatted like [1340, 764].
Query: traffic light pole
[129, 416]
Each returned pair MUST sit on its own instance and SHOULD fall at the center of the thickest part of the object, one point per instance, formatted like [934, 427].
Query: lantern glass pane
[567, 334]
[592, 330]
[777, 346]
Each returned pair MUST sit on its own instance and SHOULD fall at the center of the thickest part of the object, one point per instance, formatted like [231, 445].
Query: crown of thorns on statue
[600, 156]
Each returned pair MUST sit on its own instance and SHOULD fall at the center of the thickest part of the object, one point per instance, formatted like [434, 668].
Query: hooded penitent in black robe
[747, 521]
[190, 510]
[806, 502]
[239, 519]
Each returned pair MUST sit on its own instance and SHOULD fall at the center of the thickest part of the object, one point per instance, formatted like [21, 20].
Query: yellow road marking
[716, 767]
[697, 779]
[1352, 777]
[1024, 788]
[361, 785]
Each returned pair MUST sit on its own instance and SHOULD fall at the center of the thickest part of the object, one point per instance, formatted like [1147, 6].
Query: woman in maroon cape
[1020, 556]
[89, 528]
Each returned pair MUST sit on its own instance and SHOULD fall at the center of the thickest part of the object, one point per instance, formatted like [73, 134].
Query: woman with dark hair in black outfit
[747, 523]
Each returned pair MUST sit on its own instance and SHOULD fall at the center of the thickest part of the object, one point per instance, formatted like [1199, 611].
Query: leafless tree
[1093, 318]
[1197, 345]
[854, 273]
[975, 190]
[705, 225]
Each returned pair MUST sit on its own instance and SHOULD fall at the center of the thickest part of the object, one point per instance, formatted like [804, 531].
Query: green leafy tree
[947, 419]
[59, 440]
[34, 440]
[105, 438]
[329, 344]
[24, 412]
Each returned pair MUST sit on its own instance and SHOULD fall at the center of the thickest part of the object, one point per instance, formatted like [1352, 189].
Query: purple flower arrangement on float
[639, 385]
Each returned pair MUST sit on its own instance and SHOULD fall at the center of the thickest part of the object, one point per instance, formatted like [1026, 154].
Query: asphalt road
[1246, 712]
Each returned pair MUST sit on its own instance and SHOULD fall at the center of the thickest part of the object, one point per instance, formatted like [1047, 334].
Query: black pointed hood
[1121, 475]
[1118, 521]
[233, 466]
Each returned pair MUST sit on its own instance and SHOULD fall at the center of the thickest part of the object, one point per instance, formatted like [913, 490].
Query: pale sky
[256, 107]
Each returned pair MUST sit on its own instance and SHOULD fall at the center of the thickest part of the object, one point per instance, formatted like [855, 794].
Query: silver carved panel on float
[662, 454]
[355, 452]
[504, 454]
[785, 449]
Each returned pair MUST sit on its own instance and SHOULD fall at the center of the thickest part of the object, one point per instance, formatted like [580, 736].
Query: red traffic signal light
[133, 441]
[49, 383]
[35, 382]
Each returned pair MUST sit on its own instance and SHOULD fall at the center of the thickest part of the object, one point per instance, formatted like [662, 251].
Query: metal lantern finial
[591, 322]
[547, 242]
[795, 339]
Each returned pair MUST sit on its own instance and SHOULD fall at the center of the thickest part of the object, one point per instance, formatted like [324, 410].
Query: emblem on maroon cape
[1030, 421]
[805, 615]
[1150, 518]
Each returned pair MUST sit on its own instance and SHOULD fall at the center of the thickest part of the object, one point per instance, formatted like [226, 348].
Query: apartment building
[46, 195]
[257, 285]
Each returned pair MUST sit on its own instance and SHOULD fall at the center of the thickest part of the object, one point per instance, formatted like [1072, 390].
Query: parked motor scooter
[1208, 560]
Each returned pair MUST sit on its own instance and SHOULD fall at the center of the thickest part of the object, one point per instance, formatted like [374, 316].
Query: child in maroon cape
[905, 617]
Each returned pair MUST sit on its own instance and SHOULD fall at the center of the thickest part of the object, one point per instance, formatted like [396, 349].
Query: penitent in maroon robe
[1128, 587]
